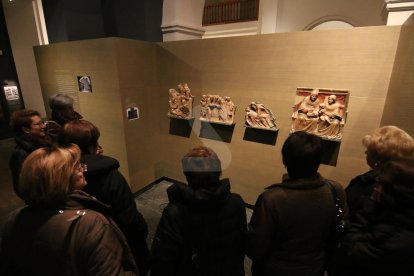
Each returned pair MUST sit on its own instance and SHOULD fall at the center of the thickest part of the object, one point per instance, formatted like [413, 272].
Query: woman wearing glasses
[29, 135]
[62, 231]
[108, 185]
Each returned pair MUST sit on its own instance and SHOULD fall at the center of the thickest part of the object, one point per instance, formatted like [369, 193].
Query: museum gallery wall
[267, 69]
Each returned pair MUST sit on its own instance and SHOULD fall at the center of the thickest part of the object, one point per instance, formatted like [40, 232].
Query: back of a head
[82, 133]
[302, 154]
[22, 118]
[46, 175]
[202, 167]
[390, 142]
[397, 176]
[60, 102]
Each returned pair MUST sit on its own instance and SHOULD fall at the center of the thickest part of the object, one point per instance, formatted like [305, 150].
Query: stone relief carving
[321, 112]
[181, 102]
[259, 116]
[217, 109]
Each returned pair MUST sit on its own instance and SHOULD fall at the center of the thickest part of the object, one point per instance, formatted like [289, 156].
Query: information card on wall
[11, 92]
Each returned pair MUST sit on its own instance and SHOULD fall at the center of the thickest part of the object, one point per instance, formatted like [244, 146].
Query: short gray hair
[60, 101]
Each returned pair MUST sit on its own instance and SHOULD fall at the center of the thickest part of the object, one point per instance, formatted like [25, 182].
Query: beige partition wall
[399, 108]
[60, 64]
[265, 68]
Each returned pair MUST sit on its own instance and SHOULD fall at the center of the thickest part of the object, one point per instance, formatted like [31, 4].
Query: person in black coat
[381, 145]
[203, 229]
[108, 185]
[380, 239]
[29, 135]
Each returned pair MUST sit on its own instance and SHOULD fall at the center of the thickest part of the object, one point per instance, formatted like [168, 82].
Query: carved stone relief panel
[259, 116]
[181, 102]
[321, 112]
[217, 109]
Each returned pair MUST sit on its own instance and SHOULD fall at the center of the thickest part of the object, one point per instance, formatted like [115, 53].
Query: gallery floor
[150, 201]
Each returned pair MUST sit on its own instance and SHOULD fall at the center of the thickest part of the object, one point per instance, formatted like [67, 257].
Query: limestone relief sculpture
[321, 112]
[259, 116]
[216, 109]
[181, 102]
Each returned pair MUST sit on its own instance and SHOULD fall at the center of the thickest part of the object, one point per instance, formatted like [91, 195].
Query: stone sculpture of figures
[322, 116]
[330, 118]
[257, 115]
[216, 109]
[181, 102]
[306, 115]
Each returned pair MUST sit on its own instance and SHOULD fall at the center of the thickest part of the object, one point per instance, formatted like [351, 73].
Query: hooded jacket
[108, 185]
[291, 226]
[201, 232]
[76, 238]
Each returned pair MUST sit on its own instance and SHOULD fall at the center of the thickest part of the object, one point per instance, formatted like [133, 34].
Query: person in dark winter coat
[380, 240]
[381, 145]
[293, 222]
[108, 185]
[63, 231]
[202, 230]
[29, 135]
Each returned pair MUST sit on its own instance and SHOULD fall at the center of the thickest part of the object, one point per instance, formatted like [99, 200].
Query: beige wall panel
[399, 109]
[60, 64]
[265, 68]
[268, 68]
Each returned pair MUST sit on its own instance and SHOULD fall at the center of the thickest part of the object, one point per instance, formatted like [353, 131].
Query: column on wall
[26, 29]
[397, 11]
[182, 19]
[268, 16]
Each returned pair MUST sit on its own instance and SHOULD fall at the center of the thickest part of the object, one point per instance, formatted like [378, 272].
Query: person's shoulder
[236, 199]
[335, 184]
[363, 179]
[272, 191]
[98, 163]
[91, 219]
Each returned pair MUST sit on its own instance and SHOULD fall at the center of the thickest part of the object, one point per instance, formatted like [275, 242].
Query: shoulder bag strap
[70, 240]
[340, 225]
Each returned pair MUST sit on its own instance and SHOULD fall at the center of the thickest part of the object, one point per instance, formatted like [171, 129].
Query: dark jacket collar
[29, 142]
[301, 183]
[98, 164]
[201, 197]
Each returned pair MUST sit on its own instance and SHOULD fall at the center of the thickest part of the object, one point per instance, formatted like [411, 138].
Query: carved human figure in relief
[257, 115]
[181, 102]
[305, 115]
[214, 108]
[330, 118]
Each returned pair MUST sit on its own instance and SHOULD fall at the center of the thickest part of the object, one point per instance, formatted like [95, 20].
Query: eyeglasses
[39, 123]
[82, 167]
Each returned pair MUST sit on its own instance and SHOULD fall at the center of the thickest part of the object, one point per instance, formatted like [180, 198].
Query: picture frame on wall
[85, 84]
[132, 113]
[11, 92]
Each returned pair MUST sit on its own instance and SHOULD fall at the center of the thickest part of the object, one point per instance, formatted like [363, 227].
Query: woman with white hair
[62, 113]
[381, 145]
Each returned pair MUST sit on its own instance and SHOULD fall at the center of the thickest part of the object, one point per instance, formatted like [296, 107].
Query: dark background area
[69, 20]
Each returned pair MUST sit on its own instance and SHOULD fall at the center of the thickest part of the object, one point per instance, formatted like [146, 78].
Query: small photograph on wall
[11, 92]
[132, 113]
[321, 112]
[85, 84]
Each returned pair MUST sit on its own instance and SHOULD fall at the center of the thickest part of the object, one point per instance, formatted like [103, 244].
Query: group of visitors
[81, 217]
